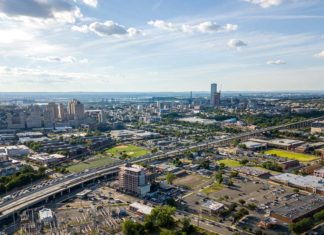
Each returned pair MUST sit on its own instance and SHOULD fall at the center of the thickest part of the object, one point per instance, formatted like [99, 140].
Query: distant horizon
[225, 91]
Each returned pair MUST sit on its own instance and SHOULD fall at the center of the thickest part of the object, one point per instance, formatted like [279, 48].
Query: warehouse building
[298, 208]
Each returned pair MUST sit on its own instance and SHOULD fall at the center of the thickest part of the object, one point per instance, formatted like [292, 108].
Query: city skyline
[162, 45]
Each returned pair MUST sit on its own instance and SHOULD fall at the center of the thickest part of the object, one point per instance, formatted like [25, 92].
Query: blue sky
[161, 45]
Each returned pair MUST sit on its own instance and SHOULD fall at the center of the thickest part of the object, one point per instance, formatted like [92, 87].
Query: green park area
[94, 163]
[229, 162]
[110, 155]
[291, 155]
[126, 151]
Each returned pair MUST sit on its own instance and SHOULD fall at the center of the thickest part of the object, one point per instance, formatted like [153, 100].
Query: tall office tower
[53, 107]
[34, 117]
[214, 95]
[213, 90]
[134, 180]
[61, 112]
[76, 109]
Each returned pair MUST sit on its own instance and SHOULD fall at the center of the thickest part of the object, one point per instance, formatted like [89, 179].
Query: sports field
[126, 150]
[292, 155]
[229, 162]
[100, 161]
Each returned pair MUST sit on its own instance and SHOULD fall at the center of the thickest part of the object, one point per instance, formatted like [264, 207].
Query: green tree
[242, 201]
[130, 227]
[161, 216]
[187, 227]
[319, 216]
[219, 177]
[234, 174]
[170, 177]
[301, 226]
[171, 202]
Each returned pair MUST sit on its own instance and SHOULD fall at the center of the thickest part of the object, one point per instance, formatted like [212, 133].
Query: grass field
[292, 155]
[90, 164]
[215, 187]
[126, 150]
[192, 181]
[229, 162]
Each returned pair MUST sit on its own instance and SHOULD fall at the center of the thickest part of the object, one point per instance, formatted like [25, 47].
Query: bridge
[17, 205]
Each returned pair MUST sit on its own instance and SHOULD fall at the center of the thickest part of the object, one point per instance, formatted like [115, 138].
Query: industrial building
[286, 144]
[47, 159]
[298, 208]
[308, 183]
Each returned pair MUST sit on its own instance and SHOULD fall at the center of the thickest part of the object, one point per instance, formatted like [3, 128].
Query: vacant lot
[229, 162]
[126, 151]
[100, 161]
[291, 155]
[215, 187]
[192, 181]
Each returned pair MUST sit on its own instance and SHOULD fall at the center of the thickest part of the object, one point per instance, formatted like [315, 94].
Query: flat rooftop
[296, 207]
[303, 181]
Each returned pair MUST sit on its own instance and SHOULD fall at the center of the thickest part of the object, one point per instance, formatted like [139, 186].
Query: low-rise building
[308, 183]
[211, 207]
[298, 208]
[46, 215]
[15, 150]
[289, 164]
[140, 208]
[317, 127]
[253, 172]
[47, 159]
[319, 172]
[280, 143]
[7, 166]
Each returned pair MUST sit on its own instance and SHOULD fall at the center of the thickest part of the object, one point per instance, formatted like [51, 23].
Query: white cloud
[275, 62]
[321, 54]
[40, 10]
[265, 3]
[164, 25]
[60, 59]
[81, 29]
[203, 27]
[230, 27]
[236, 44]
[108, 28]
[92, 3]
[133, 32]
[14, 35]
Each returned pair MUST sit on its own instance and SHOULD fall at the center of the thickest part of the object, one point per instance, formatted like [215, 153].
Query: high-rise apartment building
[53, 108]
[61, 112]
[76, 109]
[34, 117]
[134, 180]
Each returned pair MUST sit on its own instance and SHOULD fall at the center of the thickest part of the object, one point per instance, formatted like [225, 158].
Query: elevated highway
[12, 207]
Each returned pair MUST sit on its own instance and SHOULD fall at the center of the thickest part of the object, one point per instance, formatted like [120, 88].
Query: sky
[161, 45]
